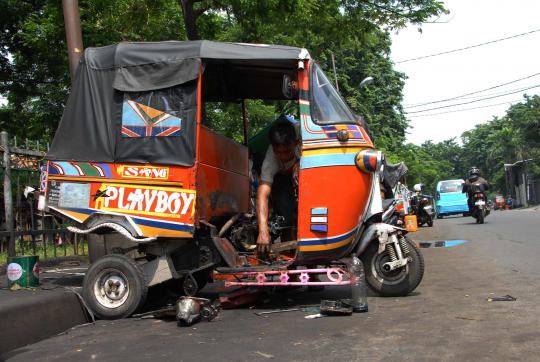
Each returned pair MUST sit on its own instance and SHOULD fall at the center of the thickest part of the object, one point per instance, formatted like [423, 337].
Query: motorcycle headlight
[369, 160]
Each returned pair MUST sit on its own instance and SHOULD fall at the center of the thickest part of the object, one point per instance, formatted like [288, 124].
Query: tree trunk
[190, 19]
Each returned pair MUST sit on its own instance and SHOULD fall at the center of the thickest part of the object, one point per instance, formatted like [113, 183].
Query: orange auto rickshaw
[167, 200]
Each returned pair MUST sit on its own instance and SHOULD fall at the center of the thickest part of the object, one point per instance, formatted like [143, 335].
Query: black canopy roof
[141, 53]
[90, 129]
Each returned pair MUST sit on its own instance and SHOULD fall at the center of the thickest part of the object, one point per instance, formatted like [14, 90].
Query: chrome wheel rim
[111, 288]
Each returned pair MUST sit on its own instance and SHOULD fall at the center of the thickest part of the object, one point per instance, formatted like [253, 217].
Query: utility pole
[72, 23]
[8, 199]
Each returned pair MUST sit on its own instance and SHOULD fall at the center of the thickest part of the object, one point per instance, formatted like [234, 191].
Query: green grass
[25, 248]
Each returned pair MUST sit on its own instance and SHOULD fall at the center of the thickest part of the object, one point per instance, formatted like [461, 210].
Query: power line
[468, 47]
[469, 102]
[501, 92]
[471, 93]
[467, 109]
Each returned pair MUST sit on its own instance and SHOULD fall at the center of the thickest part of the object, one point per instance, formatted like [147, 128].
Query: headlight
[369, 160]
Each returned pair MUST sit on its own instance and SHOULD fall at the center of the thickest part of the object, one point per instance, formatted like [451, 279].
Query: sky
[470, 22]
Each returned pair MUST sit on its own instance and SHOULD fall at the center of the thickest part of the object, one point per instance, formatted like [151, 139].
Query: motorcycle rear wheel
[481, 216]
[396, 283]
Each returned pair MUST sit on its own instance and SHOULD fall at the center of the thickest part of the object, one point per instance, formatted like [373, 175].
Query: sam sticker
[14, 272]
[144, 172]
[145, 200]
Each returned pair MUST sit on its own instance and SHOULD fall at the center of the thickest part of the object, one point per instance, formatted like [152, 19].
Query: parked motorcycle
[396, 202]
[422, 206]
[393, 212]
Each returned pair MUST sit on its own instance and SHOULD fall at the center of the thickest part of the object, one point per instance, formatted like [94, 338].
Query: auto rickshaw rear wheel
[398, 282]
[114, 287]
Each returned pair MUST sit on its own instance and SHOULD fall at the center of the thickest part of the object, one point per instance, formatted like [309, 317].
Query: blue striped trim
[145, 222]
[314, 161]
[80, 211]
[327, 241]
[163, 225]
[319, 211]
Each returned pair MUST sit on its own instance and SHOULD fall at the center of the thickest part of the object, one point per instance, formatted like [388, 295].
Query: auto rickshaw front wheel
[114, 287]
[398, 282]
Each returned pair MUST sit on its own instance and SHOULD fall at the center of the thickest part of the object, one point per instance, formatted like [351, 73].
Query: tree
[33, 57]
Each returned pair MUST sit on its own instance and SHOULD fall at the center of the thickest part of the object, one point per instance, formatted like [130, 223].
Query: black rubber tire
[481, 217]
[135, 280]
[385, 287]
[430, 222]
[439, 216]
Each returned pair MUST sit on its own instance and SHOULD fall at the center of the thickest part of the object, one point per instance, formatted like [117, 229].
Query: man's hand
[263, 241]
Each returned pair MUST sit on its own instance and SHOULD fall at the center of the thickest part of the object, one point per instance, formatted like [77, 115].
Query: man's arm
[263, 194]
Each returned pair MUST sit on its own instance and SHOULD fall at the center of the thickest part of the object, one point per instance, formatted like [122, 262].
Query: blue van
[449, 198]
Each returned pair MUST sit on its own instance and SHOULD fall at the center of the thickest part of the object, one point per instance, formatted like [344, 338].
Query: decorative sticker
[139, 120]
[143, 172]
[146, 200]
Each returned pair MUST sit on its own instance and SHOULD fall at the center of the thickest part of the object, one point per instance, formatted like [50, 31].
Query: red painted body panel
[340, 189]
[222, 176]
[222, 152]
[333, 192]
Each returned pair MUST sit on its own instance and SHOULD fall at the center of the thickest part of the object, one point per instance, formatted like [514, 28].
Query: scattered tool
[277, 311]
[504, 298]
[336, 307]
[190, 310]
[187, 310]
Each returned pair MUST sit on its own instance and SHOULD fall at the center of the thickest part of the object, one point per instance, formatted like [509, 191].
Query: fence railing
[47, 243]
[22, 229]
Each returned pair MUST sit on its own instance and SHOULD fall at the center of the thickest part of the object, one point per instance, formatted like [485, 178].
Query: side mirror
[289, 87]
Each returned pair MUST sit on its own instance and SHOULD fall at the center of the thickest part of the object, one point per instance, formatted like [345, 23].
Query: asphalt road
[447, 318]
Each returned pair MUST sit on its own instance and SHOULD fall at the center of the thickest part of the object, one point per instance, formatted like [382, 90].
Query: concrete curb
[29, 316]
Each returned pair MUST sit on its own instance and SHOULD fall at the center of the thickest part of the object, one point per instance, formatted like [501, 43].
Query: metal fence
[48, 243]
[24, 230]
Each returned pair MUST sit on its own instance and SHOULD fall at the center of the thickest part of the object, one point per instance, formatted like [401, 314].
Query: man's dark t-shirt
[468, 185]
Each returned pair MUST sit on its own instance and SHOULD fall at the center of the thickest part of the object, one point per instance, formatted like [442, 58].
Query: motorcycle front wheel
[395, 283]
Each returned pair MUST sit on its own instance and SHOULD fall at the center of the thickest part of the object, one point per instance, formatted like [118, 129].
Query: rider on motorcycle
[474, 179]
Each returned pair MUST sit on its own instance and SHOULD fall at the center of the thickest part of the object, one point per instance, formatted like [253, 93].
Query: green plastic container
[23, 270]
